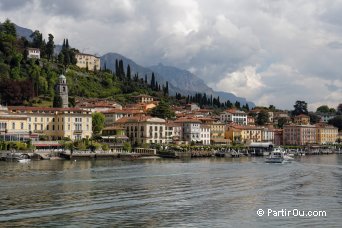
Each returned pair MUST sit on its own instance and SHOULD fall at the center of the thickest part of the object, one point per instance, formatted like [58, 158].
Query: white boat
[24, 158]
[278, 156]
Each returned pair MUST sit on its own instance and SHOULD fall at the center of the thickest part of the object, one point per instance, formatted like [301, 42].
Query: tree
[153, 81]
[272, 108]
[50, 46]
[57, 101]
[162, 110]
[282, 121]
[127, 147]
[336, 121]
[323, 109]
[97, 122]
[9, 28]
[237, 105]
[128, 72]
[314, 118]
[301, 107]
[262, 117]
[339, 109]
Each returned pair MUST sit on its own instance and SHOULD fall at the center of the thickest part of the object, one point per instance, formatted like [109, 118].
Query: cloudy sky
[269, 51]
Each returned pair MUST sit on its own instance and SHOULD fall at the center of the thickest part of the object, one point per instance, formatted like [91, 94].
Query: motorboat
[277, 156]
[24, 158]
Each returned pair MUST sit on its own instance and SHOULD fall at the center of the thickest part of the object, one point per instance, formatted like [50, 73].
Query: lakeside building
[13, 127]
[91, 62]
[54, 123]
[278, 137]
[267, 134]
[143, 129]
[193, 131]
[33, 53]
[234, 115]
[173, 132]
[301, 119]
[326, 134]
[233, 133]
[217, 133]
[113, 115]
[299, 135]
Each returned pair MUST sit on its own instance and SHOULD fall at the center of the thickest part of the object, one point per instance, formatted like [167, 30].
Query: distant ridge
[180, 81]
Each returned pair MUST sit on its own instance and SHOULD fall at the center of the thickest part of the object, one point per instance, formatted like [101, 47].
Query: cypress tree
[153, 81]
[117, 68]
[128, 72]
[67, 44]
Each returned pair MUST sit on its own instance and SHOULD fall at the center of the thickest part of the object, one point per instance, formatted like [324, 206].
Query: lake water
[214, 192]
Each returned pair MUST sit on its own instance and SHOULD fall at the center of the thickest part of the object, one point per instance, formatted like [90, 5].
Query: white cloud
[296, 45]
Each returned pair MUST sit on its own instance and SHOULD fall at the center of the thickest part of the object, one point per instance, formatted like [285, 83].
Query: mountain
[24, 32]
[180, 81]
[186, 81]
[109, 60]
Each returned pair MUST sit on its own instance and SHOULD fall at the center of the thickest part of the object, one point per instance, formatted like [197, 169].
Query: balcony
[78, 131]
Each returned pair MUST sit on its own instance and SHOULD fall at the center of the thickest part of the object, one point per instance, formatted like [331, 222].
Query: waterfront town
[111, 125]
[47, 127]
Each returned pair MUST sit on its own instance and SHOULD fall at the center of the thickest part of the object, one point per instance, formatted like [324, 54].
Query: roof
[46, 109]
[87, 55]
[187, 120]
[136, 119]
[234, 111]
[113, 128]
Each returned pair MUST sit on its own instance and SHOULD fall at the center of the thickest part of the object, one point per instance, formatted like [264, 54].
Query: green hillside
[25, 81]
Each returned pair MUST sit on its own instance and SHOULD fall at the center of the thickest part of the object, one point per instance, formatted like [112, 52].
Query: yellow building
[13, 127]
[217, 133]
[233, 133]
[301, 119]
[251, 134]
[55, 123]
[326, 134]
[91, 62]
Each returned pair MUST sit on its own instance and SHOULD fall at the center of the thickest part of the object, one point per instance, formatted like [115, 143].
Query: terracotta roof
[188, 120]
[27, 108]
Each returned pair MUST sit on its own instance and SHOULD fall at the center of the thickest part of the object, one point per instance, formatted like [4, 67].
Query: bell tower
[62, 90]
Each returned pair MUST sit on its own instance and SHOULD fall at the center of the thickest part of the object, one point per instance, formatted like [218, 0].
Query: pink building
[299, 134]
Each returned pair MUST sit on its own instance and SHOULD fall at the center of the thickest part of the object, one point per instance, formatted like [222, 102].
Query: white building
[233, 115]
[144, 129]
[267, 134]
[33, 53]
[205, 134]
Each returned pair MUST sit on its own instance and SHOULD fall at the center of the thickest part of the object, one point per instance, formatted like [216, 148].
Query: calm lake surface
[214, 192]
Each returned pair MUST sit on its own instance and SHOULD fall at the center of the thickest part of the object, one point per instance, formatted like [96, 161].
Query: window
[35, 119]
[13, 126]
[47, 127]
[29, 127]
[22, 126]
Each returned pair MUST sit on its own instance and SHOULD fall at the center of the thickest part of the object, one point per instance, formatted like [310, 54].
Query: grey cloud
[13, 4]
[213, 40]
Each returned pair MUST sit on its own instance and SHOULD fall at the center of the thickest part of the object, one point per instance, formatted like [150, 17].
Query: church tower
[62, 91]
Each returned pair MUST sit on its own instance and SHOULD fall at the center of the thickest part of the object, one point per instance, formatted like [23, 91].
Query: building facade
[144, 129]
[299, 135]
[233, 115]
[91, 62]
[326, 134]
[55, 123]
[33, 53]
